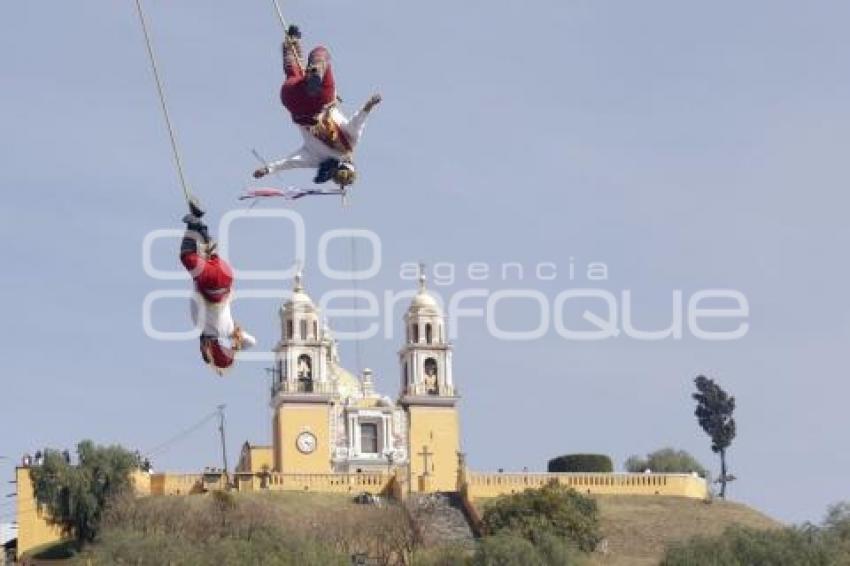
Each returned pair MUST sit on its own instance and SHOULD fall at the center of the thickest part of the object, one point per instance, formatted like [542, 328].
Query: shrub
[581, 463]
[550, 510]
[739, 546]
[441, 556]
[225, 528]
[556, 551]
[267, 547]
[506, 550]
[666, 461]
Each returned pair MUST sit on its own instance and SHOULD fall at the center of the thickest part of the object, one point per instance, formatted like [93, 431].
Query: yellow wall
[175, 484]
[293, 419]
[141, 482]
[437, 429]
[277, 457]
[255, 458]
[681, 485]
[34, 528]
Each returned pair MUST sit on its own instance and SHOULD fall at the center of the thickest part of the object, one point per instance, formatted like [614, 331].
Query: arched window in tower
[432, 380]
[288, 335]
[429, 333]
[415, 332]
[315, 330]
[303, 328]
[305, 373]
[406, 375]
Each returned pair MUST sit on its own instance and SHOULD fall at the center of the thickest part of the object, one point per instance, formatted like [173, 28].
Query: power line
[221, 430]
[179, 436]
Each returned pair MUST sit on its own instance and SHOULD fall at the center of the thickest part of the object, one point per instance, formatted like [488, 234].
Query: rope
[285, 27]
[280, 14]
[178, 162]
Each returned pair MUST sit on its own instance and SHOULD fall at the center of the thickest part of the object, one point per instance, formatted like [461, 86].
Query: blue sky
[687, 145]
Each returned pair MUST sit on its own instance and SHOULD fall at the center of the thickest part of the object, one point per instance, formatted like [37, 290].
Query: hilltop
[638, 528]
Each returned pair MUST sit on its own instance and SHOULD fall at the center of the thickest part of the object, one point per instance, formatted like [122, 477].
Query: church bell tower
[302, 391]
[428, 395]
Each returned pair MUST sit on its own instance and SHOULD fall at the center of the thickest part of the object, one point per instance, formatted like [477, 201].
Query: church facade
[328, 421]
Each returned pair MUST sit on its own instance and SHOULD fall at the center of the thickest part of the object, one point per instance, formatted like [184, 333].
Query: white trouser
[314, 151]
[217, 320]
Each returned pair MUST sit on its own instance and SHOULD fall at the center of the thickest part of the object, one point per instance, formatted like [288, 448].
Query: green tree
[75, 496]
[665, 461]
[837, 521]
[714, 413]
[551, 510]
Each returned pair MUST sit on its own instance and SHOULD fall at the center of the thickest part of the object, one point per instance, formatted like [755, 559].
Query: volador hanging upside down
[330, 137]
[220, 336]
[213, 279]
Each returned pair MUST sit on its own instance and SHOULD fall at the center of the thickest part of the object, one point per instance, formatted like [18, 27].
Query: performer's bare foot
[372, 102]
[237, 339]
[261, 172]
[241, 340]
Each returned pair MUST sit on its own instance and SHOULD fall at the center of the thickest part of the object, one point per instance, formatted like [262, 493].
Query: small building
[8, 542]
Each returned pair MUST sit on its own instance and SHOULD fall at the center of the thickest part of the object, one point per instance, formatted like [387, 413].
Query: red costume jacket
[295, 95]
[213, 277]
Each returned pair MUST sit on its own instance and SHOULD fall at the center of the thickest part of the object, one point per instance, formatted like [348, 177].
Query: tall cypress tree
[714, 413]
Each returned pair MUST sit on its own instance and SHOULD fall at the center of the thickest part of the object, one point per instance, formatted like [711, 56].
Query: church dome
[299, 300]
[424, 303]
[347, 384]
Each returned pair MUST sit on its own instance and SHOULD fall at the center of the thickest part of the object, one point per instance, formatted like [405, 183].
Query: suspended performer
[309, 94]
[213, 279]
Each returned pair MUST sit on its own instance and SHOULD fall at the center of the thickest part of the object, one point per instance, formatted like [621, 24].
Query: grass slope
[638, 528]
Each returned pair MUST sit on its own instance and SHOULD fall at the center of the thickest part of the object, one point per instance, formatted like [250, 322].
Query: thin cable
[181, 435]
[354, 305]
[178, 162]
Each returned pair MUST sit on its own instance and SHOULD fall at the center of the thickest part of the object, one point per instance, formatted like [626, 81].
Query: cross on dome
[423, 279]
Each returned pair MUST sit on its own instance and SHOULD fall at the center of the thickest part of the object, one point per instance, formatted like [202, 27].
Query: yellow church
[327, 421]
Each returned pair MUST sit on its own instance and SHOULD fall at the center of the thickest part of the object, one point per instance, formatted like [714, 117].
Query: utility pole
[221, 430]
